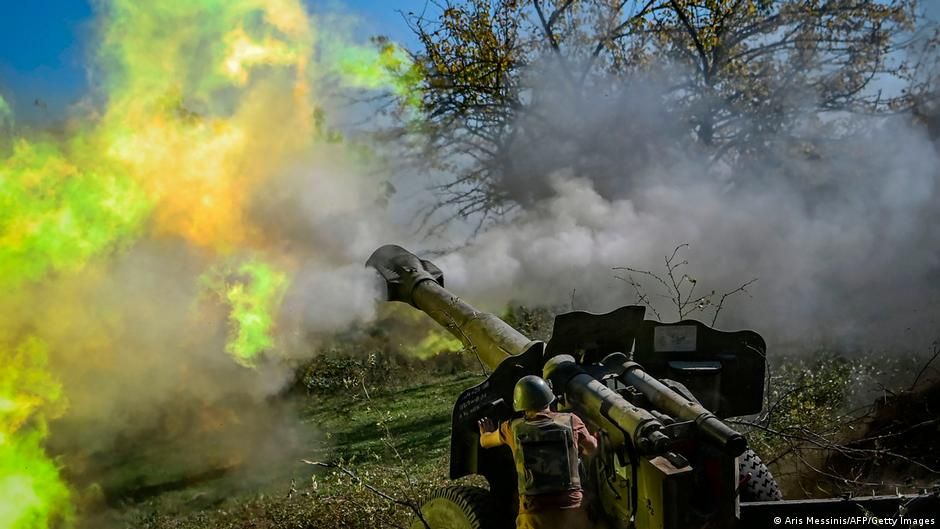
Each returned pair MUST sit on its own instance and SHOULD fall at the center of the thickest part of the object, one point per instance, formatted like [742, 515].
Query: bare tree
[678, 288]
[741, 74]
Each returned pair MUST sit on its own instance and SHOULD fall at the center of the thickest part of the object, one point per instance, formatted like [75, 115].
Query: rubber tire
[762, 486]
[457, 507]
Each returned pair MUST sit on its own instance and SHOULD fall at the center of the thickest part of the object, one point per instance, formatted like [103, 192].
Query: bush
[342, 371]
[816, 407]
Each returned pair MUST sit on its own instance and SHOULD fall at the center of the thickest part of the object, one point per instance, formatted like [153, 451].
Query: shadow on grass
[419, 419]
[413, 435]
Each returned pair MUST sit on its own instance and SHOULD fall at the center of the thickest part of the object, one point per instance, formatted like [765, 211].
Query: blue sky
[43, 47]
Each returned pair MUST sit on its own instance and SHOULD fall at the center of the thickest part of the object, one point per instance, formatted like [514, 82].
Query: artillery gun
[654, 394]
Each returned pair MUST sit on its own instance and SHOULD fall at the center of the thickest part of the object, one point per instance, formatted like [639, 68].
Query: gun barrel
[420, 283]
[673, 403]
[603, 405]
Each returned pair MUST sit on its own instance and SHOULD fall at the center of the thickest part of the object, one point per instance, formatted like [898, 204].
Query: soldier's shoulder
[575, 420]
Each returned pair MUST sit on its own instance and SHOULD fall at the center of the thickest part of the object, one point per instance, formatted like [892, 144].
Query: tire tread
[475, 502]
[762, 486]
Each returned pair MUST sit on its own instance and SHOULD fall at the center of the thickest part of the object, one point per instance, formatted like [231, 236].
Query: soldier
[546, 446]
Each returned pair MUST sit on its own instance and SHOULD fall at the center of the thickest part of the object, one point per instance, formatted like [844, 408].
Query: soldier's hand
[486, 425]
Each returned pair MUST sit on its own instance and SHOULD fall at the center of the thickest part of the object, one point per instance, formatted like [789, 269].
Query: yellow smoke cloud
[203, 104]
[198, 129]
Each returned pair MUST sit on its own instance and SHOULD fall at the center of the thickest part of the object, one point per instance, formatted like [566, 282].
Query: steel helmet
[531, 393]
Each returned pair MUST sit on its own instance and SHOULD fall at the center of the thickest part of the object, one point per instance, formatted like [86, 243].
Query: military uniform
[545, 448]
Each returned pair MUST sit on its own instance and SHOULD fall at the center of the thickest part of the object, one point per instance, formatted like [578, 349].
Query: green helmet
[531, 393]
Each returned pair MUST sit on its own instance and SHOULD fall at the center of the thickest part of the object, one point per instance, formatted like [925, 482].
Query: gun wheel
[761, 486]
[457, 507]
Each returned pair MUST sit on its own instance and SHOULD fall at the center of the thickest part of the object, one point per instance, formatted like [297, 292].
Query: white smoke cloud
[845, 246]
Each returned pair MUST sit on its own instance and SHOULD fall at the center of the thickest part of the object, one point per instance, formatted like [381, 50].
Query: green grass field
[394, 439]
[416, 420]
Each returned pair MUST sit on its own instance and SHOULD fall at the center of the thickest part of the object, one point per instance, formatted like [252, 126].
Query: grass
[416, 420]
[395, 439]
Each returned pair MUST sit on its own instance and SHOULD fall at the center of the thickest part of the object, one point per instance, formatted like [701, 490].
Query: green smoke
[32, 493]
[252, 292]
[58, 211]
